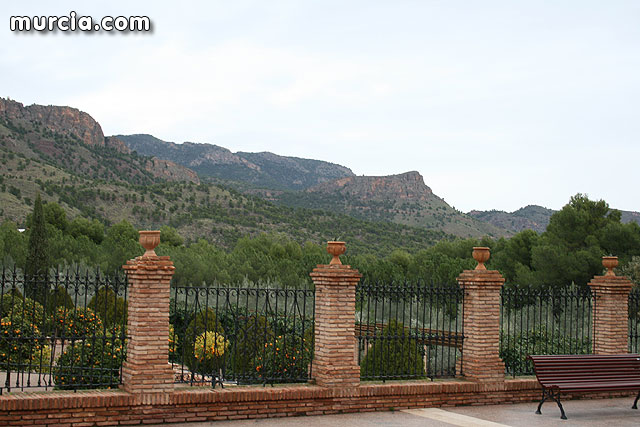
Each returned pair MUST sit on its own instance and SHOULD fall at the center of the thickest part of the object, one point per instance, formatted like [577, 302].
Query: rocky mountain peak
[62, 120]
[68, 137]
[404, 186]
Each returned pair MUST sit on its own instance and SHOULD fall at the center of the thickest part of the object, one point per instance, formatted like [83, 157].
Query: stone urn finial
[481, 254]
[336, 249]
[610, 262]
[149, 240]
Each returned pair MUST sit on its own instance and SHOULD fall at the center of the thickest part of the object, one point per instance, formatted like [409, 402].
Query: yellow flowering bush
[173, 343]
[204, 321]
[208, 350]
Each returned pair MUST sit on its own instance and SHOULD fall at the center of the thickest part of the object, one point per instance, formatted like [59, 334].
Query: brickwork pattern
[147, 368]
[100, 408]
[481, 346]
[335, 349]
[610, 314]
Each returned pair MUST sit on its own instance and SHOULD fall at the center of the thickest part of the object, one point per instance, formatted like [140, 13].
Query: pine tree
[37, 264]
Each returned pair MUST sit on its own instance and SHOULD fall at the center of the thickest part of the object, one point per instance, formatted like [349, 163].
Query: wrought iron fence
[549, 320]
[634, 320]
[61, 330]
[244, 335]
[409, 330]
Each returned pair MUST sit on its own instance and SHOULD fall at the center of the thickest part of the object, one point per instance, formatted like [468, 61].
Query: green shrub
[20, 340]
[41, 359]
[394, 355]
[18, 307]
[111, 308]
[11, 293]
[285, 359]
[178, 321]
[59, 298]
[249, 343]
[92, 363]
[514, 349]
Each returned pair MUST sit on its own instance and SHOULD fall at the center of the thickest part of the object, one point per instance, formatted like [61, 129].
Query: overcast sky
[498, 104]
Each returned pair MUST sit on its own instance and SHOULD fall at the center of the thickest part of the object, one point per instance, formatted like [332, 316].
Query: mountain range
[532, 217]
[62, 154]
[402, 199]
[264, 169]
[303, 183]
[205, 190]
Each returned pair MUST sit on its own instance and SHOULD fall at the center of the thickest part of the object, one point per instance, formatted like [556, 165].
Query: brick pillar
[147, 368]
[335, 352]
[481, 346]
[610, 310]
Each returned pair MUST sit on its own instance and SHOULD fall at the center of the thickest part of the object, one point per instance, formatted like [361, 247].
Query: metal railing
[409, 330]
[62, 330]
[549, 320]
[634, 320]
[244, 335]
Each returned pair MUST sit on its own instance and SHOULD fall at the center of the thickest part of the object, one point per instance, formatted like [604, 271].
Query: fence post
[610, 310]
[335, 351]
[481, 345]
[147, 370]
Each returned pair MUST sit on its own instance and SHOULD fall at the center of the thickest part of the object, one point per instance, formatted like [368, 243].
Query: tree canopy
[38, 250]
[569, 251]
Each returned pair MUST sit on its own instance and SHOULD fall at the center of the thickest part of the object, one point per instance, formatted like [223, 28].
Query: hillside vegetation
[568, 252]
[110, 183]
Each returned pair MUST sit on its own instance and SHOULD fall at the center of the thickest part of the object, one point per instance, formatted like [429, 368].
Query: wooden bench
[585, 373]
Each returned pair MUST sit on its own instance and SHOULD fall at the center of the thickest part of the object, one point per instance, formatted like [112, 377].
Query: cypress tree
[38, 250]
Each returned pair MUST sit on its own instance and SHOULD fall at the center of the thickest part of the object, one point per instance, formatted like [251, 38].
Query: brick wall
[120, 407]
[97, 408]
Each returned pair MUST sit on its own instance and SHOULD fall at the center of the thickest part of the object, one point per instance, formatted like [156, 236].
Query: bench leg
[554, 395]
[635, 403]
[562, 414]
[544, 397]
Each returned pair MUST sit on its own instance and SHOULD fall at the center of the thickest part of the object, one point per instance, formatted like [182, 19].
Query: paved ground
[588, 413]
